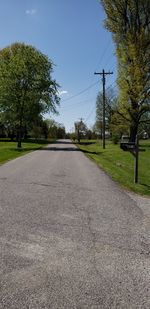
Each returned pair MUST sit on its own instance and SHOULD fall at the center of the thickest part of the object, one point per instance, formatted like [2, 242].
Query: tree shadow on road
[52, 148]
[25, 149]
[68, 142]
[69, 149]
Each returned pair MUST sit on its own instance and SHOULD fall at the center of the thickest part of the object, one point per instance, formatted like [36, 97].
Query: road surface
[69, 236]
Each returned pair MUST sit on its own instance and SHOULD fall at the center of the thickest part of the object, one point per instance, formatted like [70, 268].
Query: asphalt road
[69, 237]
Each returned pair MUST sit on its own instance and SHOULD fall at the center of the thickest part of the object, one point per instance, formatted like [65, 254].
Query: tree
[45, 128]
[2, 129]
[129, 22]
[110, 108]
[118, 127]
[61, 131]
[145, 125]
[27, 89]
[80, 130]
[52, 129]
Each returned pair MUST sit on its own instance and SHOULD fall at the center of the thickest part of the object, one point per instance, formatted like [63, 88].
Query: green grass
[120, 164]
[9, 150]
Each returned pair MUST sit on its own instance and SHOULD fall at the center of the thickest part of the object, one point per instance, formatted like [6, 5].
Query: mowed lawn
[9, 150]
[119, 164]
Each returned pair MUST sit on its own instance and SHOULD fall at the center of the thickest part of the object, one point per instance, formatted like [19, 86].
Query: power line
[90, 114]
[109, 58]
[77, 103]
[111, 85]
[93, 108]
[103, 54]
[79, 93]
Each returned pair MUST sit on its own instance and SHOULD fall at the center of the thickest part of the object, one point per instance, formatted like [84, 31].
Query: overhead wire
[85, 101]
[93, 108]
[92, 85]
[90, 114]
[104, 52]
[108, 59]
[86, 89]
[111, 85]
[79, 93]
[77, 103]
[98, 64]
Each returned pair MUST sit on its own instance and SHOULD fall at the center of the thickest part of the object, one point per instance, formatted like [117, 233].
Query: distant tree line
[42, 128]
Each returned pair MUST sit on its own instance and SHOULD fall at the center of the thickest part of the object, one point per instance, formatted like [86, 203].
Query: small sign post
[134, 150]
[136, 159]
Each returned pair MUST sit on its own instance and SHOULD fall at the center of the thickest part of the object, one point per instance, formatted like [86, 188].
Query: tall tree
[26, 86]
[129, 22]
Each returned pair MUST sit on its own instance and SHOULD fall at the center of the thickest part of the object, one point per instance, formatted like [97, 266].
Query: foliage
[145, 124]
[110, 109]
[115, 138]
[55, 129]
[80, 130]
[36, 132]
[48, 128]
[117, 125]
[26, 87]
[129, 22]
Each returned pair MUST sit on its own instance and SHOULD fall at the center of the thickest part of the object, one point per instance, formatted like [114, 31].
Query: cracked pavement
[69, 236]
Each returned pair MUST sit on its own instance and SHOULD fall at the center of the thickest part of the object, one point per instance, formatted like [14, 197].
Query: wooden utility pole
[103, 73]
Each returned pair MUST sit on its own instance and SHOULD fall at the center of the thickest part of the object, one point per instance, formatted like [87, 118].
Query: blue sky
[72, 34]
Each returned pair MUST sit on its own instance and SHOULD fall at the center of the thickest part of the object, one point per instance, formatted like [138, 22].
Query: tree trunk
[19, 138]
[133, 133]
[11, 137]
[78, 136]
[20, 134]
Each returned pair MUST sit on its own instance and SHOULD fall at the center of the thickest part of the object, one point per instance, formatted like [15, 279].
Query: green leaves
[26, 86]
[129, 22]
[25, 78]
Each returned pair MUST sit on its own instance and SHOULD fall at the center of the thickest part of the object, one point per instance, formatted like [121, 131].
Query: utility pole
[103, 73]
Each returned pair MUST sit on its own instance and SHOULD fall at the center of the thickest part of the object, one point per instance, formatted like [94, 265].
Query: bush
[115, 138]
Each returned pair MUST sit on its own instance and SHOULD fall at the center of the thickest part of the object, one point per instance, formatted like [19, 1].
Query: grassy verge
[120, 165]
[9, 150]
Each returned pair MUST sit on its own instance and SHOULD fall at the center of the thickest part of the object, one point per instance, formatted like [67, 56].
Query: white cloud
[62, 92]
[31, 12]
